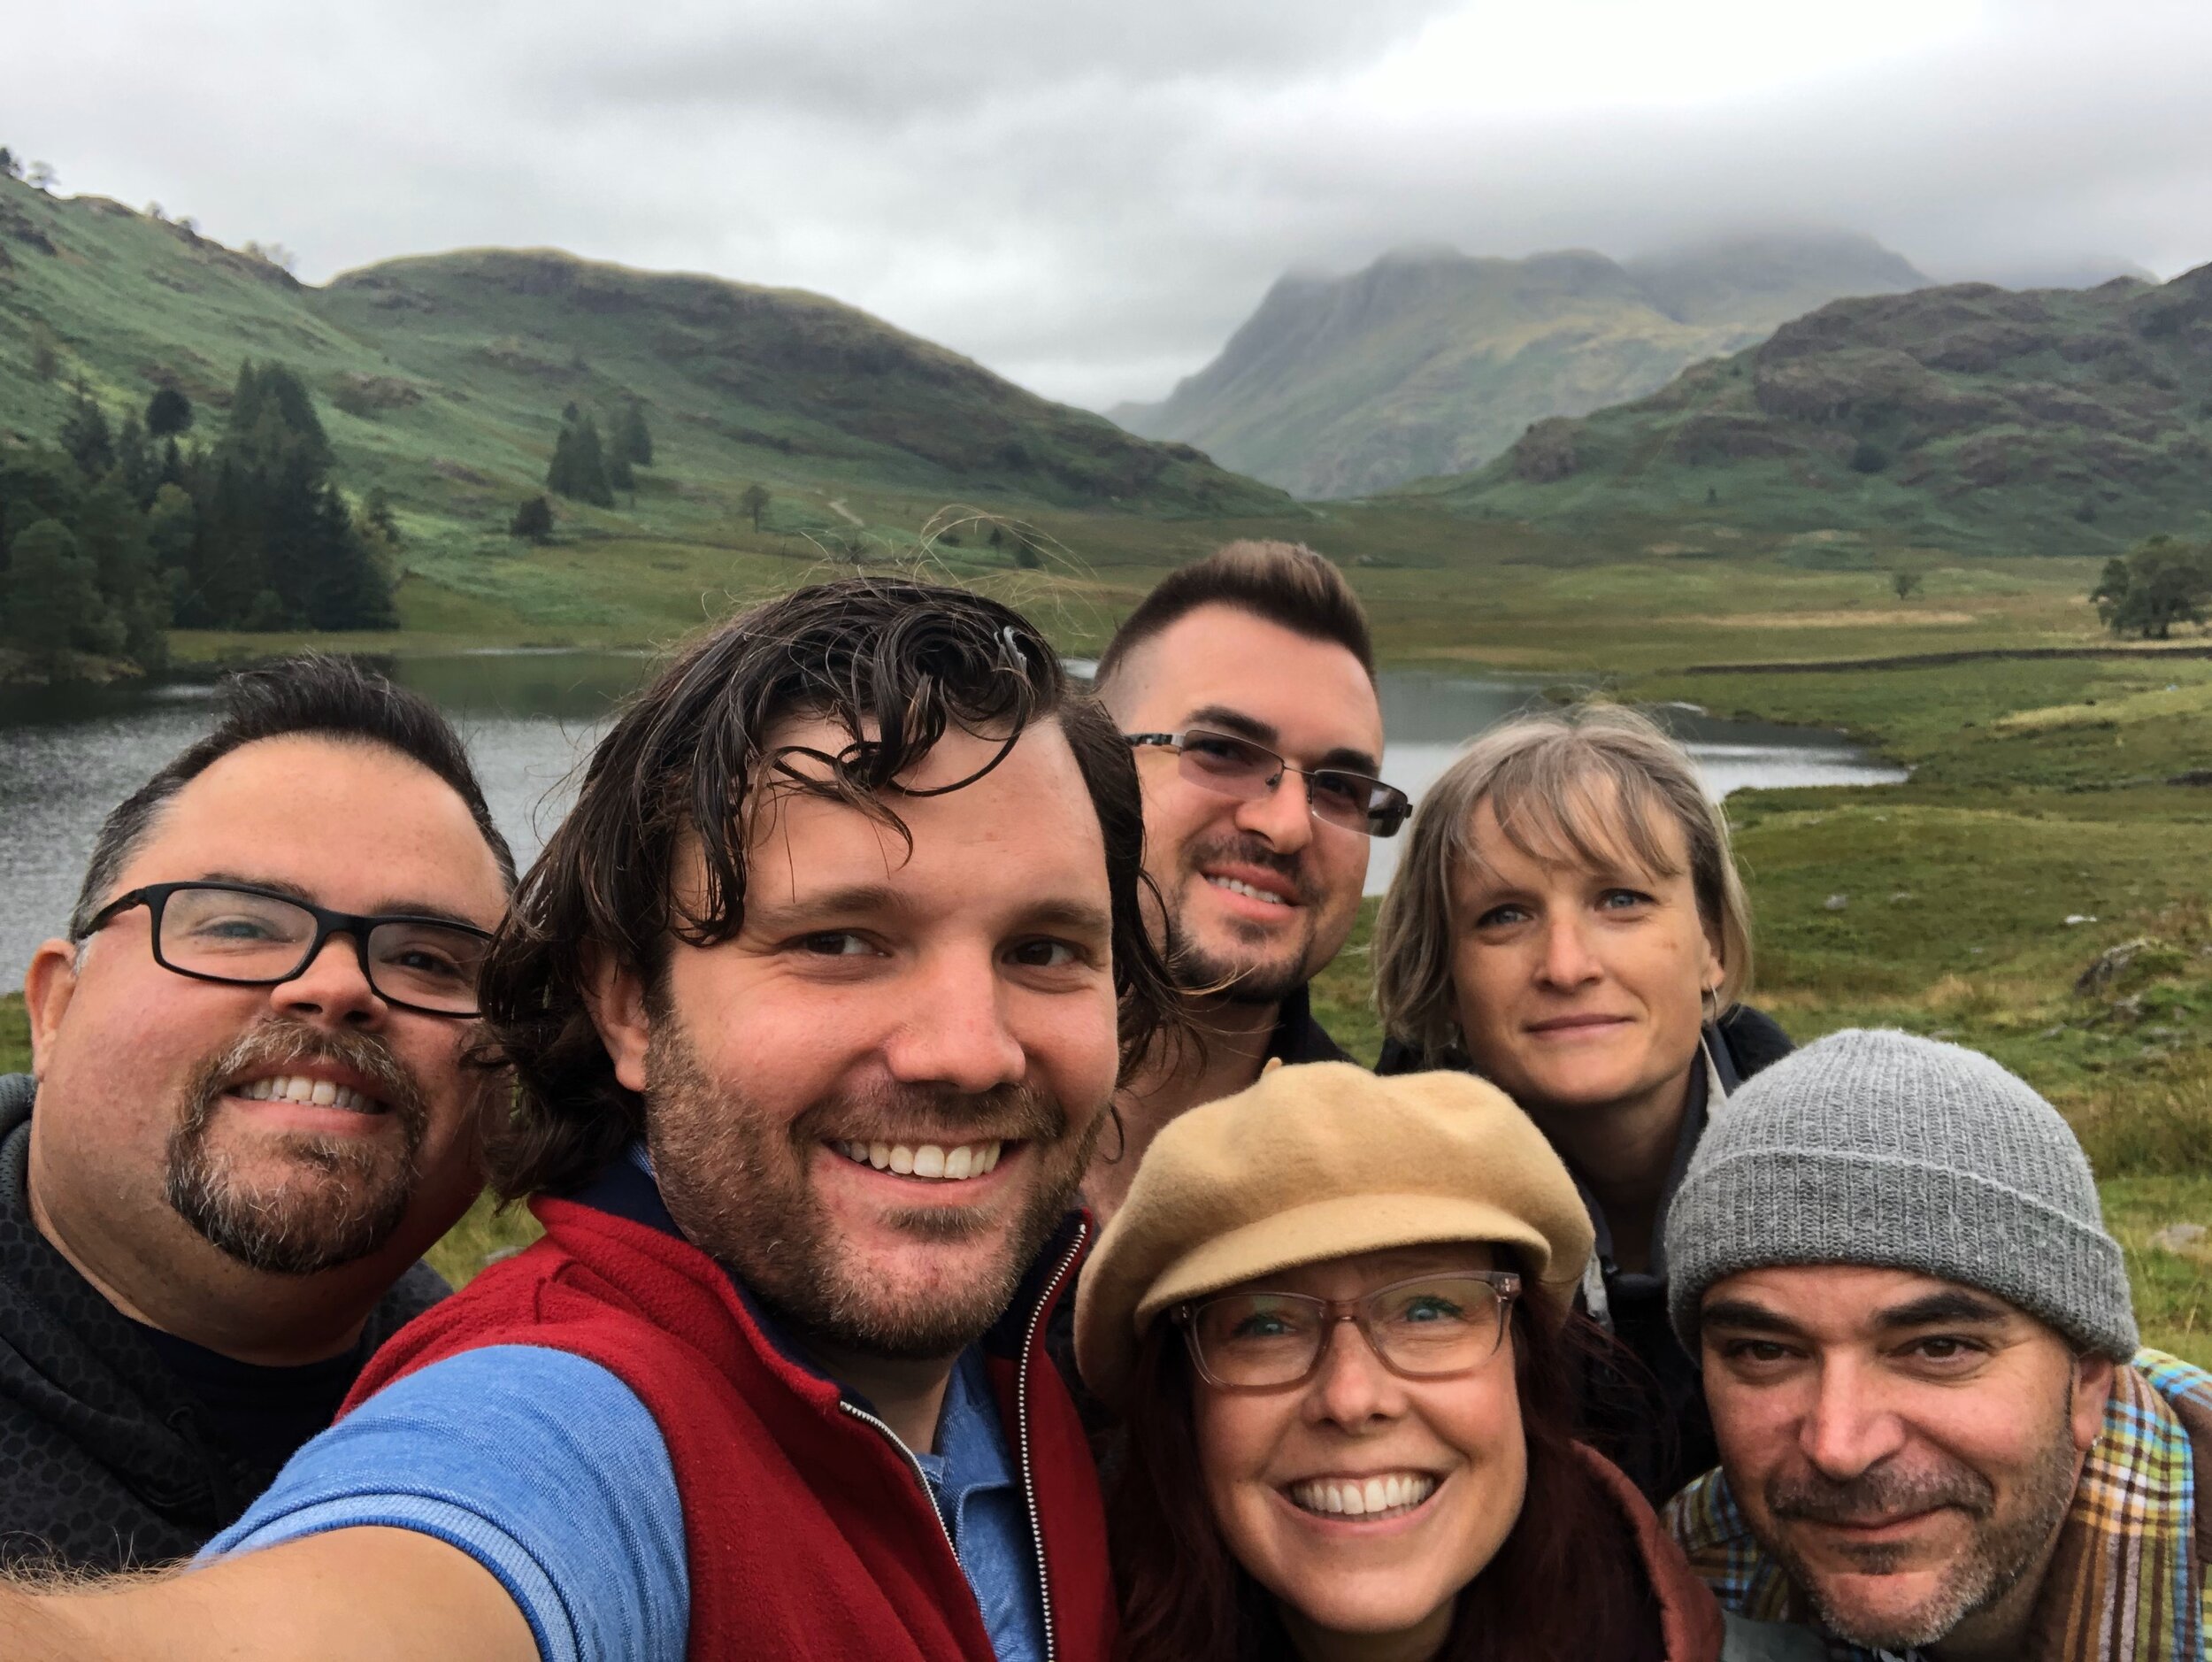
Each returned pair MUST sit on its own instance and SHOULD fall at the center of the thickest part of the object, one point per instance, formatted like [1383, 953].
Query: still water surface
[68, 756]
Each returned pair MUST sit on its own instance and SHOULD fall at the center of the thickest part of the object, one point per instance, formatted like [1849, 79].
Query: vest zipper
[1021, 1417]
[920, 1476]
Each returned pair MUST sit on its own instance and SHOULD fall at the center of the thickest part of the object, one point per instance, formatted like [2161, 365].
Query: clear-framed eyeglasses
[1241, 767]
[257, 937]
[1427, 1326]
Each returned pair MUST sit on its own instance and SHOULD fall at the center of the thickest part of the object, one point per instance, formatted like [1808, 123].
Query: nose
[955, 1032]
[331, 991]
[1848, 1427]
[1284, 816]
[1568, 961]
[1352, 1388]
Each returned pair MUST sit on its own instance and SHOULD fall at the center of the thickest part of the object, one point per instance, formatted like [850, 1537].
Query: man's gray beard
[737, 1187]
[1999, 1555]
[347, 1196]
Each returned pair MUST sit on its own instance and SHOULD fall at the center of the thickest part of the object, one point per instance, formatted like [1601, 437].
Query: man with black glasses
[1245, 683]
[253, 1110]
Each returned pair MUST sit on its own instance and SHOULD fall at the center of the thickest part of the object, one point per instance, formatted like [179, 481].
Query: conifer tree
[532, 519]
[633, 441]
[86, 436]
[578, 469]
[168, 412]
[53, 599]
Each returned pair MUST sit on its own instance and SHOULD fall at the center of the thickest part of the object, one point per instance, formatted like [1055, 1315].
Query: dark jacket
[107, 1458]
[1298, 1037]
[1644, 1402]
[809, 1533]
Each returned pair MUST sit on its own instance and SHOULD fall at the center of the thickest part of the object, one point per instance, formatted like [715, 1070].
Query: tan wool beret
[1317, 1162]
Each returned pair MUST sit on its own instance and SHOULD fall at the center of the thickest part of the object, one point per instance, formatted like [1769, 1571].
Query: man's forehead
[337, 817]
[1843, 1301]
[1020, 812]
[1217, 657]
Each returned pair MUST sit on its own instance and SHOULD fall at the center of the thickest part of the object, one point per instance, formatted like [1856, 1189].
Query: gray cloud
[1089, 197]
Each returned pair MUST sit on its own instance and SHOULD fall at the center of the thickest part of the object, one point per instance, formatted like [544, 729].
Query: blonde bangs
[1593, 786]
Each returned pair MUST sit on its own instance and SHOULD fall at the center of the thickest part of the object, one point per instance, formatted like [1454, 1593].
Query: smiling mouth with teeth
[1236, 886]
[297, 1087]
[932, 1161]
[1391, 1496]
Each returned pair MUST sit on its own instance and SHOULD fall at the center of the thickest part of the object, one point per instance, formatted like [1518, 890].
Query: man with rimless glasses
[1245, 685]
[253, 1110]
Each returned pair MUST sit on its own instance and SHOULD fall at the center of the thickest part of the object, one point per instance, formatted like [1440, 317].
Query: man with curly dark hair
[816, 1002]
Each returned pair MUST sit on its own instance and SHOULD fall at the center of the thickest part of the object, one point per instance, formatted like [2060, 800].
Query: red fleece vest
[808, 1536]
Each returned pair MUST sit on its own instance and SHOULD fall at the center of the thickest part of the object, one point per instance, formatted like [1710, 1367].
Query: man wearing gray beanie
[1938, 1435]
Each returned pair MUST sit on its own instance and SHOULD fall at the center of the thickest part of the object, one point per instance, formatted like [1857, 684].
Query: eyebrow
[855, 900]
[1744, 1316]
[1953, 1307]
[1349, 758]
[847, 900]
[396, 907]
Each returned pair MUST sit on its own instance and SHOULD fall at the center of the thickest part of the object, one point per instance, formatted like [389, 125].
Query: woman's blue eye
[1424, 1310]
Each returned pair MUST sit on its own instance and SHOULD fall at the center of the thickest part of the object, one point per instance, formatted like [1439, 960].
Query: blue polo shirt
[549, 1470]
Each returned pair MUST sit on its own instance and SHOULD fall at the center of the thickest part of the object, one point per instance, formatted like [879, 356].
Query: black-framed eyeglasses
[1238, 768]
[1426, 1326]
[256, 937]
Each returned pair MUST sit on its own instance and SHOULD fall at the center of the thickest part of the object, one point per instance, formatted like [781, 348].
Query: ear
[1716, 957]
[2093, 1390]
[48, 986]
[615, 993]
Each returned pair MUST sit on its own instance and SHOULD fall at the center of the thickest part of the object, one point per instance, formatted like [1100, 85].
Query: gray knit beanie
[1881, 1147]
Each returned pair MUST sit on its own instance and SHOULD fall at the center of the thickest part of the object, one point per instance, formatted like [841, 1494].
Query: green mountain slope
[2051, 421]
[1431, 362]
[443, 378]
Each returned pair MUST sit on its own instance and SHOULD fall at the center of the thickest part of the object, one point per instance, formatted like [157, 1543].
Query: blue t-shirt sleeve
[542, 1467]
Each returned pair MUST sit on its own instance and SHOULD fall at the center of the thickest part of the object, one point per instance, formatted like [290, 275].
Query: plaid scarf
[2127, 1580]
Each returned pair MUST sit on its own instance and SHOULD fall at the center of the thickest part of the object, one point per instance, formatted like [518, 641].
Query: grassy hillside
[1966, 418]
[1430, 362]
[443, 379]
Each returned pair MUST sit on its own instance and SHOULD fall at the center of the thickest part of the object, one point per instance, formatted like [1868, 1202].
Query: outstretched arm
[362, 1594]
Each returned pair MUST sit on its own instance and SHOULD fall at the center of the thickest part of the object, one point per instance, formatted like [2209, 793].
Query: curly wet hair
[683, 768]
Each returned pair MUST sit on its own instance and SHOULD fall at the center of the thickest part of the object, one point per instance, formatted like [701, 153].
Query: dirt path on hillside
[837, 506]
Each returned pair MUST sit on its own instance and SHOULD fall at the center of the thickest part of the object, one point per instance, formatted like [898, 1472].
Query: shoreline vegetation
[2037, 887]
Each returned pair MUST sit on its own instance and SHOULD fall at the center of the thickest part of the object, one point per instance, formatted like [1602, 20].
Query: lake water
[68, 756]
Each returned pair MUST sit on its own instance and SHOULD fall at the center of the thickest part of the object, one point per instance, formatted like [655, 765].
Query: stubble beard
[338, 1200]
[2002, 1551]
[1243, 977]
[737, 1187]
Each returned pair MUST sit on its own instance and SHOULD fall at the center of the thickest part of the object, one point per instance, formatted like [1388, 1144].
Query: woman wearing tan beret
[1330, 1316]
[1567, 922]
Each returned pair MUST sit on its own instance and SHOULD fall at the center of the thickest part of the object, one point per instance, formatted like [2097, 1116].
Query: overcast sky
[1089, 197]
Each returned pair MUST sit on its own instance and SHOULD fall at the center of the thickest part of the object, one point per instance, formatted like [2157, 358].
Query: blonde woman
[1567, 922]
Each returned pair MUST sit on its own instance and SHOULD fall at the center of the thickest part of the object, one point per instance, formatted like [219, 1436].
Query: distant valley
[1431, 362]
